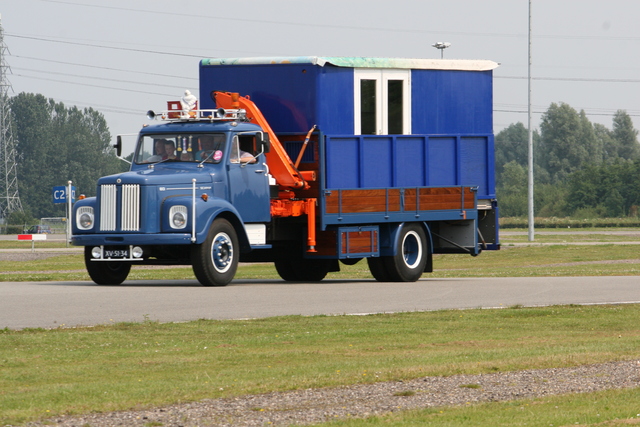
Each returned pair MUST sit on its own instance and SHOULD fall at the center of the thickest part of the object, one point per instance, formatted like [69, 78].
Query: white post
[530, 184]
[193, 212]
[69, 212]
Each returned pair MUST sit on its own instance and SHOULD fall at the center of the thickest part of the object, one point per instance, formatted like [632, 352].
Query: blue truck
[306, 162]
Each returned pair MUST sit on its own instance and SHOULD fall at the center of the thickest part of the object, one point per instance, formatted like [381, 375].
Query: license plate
[116, 253]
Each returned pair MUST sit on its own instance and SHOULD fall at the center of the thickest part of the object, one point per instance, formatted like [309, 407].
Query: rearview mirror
[266, 143]
[118, 146]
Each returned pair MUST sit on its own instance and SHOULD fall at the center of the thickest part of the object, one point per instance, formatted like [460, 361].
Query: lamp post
[442, 46]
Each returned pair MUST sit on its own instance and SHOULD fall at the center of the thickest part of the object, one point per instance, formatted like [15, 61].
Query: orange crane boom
[280, 165]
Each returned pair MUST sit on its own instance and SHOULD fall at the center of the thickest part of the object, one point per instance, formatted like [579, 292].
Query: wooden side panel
[327, 243]
[390, 200]
[358, 242]
[439, 199]
[347, 241]
[365, 200]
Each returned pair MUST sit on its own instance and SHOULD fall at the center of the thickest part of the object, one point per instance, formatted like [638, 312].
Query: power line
[49, 72]
[571, 79]
[75, 64]
[103, 47]
[97, 86]
[304, 23]
[307, 24]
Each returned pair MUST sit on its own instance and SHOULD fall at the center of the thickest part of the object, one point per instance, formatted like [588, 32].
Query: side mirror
[118, 146]
[266, 143]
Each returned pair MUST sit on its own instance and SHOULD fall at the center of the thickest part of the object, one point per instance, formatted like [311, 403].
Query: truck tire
[378, 269]
[407, 265]
[106, 272]
[409, 262]
[298, 269]
[215, 261]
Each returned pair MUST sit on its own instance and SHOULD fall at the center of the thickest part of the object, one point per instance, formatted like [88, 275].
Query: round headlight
[136, 252]
[86, 220]
[96, 252]
[179, 220]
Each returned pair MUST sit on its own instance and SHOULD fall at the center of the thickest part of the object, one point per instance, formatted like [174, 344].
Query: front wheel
[215, 261]
[106, 272]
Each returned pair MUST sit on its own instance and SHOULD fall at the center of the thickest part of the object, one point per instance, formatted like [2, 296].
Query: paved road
[52, 304]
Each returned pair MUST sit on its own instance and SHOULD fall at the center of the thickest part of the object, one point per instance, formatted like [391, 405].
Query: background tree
[581, 168]
[605, 139]
[607, 190]
[511, 144]
[56, 144]
[568, 141]
[625, 136]
[512, 190]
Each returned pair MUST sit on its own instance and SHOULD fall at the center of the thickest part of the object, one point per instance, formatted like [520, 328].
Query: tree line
[581, 169]
[56, 144]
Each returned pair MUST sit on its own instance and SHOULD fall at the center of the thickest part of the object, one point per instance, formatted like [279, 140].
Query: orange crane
[285, 172]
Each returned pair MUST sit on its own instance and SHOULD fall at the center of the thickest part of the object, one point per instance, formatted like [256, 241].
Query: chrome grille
[108, 208]
[129, 207]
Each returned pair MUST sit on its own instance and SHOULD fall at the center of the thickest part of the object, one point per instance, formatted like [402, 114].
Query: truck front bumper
[131, 239]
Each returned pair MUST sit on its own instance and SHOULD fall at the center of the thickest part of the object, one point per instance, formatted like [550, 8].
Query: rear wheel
[215, 261]
[106, 272]
[298, 269]
[378, 269]
[408, 264]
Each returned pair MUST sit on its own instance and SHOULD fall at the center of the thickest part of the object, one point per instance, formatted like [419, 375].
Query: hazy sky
[126, 57]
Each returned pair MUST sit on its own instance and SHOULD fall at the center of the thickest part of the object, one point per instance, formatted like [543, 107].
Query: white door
[382, 102]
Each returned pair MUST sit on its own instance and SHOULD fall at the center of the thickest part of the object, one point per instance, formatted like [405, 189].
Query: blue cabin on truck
[346, 158]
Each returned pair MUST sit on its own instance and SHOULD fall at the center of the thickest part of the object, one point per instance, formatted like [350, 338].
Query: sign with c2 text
[60, 194]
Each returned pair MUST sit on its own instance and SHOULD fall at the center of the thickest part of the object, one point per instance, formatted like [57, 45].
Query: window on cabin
[368, 103]
[382, 102]
[395, 104]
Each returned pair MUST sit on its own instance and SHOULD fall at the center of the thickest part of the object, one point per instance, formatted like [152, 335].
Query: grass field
[105, 368]
[563, 253]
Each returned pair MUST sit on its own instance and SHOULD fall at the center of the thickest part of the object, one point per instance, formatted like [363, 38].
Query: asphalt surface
[68, 304]
[55, 304]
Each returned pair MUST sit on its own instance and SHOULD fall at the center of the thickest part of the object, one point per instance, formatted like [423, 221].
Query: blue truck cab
[306, 162]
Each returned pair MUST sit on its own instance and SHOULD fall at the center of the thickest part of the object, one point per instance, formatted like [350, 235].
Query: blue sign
[60, 194]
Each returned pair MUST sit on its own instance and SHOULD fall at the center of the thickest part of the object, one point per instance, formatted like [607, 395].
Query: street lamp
[442, 46]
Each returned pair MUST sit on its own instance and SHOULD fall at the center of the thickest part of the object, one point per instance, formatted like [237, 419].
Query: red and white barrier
[33, 238]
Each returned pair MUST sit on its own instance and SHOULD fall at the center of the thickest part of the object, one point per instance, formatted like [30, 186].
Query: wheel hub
[222, 252]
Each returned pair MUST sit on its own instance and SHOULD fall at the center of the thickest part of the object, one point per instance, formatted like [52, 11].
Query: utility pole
[9, 199]
[530, 191]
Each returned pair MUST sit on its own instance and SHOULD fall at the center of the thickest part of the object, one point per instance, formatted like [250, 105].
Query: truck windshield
[180, 148]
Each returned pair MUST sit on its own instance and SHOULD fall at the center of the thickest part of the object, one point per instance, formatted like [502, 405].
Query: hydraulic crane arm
[280, 164]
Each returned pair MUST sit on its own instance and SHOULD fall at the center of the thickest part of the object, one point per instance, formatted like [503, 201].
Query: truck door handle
[259, 171]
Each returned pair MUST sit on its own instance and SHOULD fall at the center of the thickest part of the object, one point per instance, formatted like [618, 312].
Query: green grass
[558, 259]
[553, 222]
[121, 366]
[520, 261]
[563, 237]
[37, 244]
[607, 409]
[553, 260]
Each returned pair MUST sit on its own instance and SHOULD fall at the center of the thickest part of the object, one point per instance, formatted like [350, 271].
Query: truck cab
[184, 174]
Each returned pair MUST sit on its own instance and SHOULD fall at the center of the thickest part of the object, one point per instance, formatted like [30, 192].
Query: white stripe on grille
[130, 207]
[108, 208]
